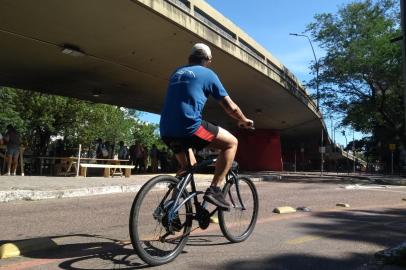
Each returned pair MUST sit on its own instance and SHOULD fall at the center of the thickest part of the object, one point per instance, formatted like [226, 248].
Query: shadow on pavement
[382, 228]
[84, 251]
[303, 262]
[207, 240]
[325, 180]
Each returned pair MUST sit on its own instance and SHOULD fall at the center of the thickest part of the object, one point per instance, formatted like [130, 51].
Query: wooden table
[72, 162]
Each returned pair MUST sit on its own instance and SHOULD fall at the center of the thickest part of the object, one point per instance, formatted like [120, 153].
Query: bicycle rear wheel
[154, 237]
[238, 223]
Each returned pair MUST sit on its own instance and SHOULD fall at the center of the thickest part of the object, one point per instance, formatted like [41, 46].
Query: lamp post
[403, 26]
[317, 95]
[346, 144]
[317, 67]
[353, 151]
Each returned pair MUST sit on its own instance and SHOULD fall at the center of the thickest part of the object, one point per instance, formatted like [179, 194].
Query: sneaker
[215, 196]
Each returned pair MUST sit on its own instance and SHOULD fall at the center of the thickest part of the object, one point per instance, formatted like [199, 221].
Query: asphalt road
[92, 232]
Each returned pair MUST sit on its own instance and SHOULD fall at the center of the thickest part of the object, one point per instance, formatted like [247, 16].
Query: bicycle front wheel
[156, 237]
[238, 223]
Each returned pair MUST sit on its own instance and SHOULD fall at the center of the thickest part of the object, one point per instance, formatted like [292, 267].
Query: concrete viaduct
[122, 52]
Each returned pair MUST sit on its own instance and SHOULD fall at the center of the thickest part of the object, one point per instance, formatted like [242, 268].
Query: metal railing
[180, 5]
[214, 26]
[292, 84]
[252, 52]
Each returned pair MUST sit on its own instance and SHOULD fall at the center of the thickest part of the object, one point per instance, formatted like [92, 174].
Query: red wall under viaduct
[259, 150]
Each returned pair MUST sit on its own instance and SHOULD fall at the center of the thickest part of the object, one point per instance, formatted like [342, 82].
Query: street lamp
[346, 144]
[317, 67]
[353, 150]
[317, 94]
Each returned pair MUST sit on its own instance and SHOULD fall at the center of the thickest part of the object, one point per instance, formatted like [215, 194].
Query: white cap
[200, 48]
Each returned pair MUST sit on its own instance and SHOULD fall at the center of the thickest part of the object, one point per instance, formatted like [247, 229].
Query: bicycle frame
[189, 179]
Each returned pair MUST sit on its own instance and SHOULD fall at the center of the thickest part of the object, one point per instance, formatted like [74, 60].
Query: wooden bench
[107, 167]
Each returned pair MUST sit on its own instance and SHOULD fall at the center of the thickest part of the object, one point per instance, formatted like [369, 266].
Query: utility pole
[322, 151]
[346, 144]
[353, 151]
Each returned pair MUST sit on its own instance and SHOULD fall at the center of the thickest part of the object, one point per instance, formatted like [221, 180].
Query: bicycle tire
[249, 197]
[146, 246]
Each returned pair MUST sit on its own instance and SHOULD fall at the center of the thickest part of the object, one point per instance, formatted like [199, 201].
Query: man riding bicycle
[182, 126]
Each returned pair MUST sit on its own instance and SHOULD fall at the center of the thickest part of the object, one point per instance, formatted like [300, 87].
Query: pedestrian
[99, 148]
[163, 159]
[153, 154]
[137, 156]
[12, 139]
[122, 150]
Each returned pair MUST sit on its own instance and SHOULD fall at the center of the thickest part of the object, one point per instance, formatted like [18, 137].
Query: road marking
[30, 264]
[303, 239]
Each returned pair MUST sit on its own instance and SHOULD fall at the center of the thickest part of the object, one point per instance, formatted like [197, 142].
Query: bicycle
[168, 219]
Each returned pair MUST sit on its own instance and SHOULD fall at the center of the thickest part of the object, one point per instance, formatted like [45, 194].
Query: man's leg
[227, 143]
[182, 160]
[14, 164]
[9, 159]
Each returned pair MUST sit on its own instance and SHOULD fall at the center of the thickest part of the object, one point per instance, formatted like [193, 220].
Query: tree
[40, 117]
[8, 110]
[361, 74]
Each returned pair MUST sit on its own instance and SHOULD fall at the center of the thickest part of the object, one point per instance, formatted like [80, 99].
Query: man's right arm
[235, 112]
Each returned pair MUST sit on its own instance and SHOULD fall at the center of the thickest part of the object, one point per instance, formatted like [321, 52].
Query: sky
[269, 23]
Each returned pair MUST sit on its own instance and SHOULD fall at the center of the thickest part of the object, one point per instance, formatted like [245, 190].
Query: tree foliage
[40, 117]
[361, 73]
[360, 77]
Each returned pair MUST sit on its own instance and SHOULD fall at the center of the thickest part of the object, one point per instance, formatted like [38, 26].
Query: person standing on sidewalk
[154, 155]
[12, 139]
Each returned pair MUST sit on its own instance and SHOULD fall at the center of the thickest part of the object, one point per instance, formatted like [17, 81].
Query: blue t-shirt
[188, 90]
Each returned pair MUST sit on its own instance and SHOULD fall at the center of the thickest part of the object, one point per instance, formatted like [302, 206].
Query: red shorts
[202, 137]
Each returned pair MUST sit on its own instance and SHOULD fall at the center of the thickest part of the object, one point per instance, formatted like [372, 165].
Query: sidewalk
[380, 179]
[31, 188]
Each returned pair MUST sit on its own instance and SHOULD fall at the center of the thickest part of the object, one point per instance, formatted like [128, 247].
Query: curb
[35, 195]
[271, 177]
[259, 178]
[389, 182]
[18, 248]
